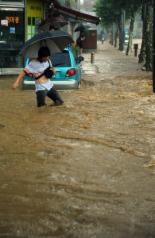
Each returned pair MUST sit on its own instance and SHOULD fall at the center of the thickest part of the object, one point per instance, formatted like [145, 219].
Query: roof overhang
[74, 14]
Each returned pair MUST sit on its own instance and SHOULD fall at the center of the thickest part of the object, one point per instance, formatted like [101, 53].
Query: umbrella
[80, 27]
[53, 22]
[56, 41]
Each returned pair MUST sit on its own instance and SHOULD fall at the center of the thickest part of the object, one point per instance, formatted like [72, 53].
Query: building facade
[34, 13]
[19, 20]
[12, 32]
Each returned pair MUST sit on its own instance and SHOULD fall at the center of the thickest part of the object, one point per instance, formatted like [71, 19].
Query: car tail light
[71, 72]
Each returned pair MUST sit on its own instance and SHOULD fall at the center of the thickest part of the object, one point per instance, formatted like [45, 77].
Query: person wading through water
[41, 70]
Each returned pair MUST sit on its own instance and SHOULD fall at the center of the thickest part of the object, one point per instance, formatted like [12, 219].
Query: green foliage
[105, 10]
[110, 10]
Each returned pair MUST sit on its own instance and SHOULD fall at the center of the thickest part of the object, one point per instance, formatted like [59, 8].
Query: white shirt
[36, 68]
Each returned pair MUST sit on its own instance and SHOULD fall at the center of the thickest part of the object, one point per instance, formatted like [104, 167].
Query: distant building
[12, 32]
[70, 3]
[88, 5]
[19, 20]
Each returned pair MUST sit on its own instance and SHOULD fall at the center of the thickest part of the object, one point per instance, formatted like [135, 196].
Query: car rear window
[61, 59]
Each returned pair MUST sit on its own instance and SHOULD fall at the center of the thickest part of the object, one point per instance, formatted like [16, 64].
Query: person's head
[43, 54]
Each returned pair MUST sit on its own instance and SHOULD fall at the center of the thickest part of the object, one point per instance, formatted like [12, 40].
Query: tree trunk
[142, 51]
[116, 37]
[131, 28]
[146, 48]
[111, 38]
[143, 46]
[121, 33]
[149, 33]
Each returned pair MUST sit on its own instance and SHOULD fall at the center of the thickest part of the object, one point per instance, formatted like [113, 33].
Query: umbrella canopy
[53, 22]
[56, 41]
[80, 27]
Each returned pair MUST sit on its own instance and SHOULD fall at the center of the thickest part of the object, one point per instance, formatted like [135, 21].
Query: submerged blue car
[68, 71]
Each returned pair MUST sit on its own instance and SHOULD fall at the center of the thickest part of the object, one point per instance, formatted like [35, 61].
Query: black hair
[43, 52]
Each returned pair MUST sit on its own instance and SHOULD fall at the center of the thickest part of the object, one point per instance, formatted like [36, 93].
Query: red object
[71, 72]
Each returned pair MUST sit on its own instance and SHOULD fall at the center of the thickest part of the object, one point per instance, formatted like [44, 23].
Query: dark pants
[52, 94]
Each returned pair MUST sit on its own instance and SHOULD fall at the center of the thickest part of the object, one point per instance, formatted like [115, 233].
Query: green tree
[114, 12]
[110, 13]
[132, 7]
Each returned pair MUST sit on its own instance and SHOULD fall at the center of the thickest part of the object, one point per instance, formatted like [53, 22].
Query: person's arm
[51, 67]
[18, 79]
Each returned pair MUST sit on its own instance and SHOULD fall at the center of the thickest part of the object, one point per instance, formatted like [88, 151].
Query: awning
[68, 13]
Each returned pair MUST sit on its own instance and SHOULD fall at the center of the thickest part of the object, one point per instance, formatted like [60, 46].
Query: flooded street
[85, 169]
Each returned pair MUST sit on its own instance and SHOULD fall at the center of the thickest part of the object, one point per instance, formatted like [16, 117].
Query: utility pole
[154, 46]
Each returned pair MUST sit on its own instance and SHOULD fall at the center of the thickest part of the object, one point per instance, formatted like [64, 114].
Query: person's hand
[15, 85]
[54, 70]
[18, 79]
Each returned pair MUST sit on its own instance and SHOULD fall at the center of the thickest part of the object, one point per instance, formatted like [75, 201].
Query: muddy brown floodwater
[84, 169]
